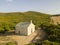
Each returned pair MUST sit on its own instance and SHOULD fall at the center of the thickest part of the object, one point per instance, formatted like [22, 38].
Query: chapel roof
[25, 24]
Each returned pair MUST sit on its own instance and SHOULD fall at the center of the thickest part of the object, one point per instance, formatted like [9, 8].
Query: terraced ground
[55, 19]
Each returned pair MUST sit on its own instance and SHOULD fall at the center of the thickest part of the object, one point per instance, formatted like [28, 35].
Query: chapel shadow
[10, 33]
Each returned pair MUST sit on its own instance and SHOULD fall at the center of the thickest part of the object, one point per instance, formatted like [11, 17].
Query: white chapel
[25, 28]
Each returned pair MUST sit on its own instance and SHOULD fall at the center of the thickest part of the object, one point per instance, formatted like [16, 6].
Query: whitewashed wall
[31, 29]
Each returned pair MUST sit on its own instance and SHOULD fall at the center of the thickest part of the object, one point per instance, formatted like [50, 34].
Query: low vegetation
[10, 43]
[9, 20]
[53, 32]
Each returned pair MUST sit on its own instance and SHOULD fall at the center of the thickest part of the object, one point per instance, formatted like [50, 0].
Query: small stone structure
[25, 28]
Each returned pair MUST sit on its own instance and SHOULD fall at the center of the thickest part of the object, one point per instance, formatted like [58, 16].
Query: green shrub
[9, 20]
[31, 44]
[10, 43]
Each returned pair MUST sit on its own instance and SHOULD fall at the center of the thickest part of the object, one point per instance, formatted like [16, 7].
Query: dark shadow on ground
[10, 33]
[42, 36]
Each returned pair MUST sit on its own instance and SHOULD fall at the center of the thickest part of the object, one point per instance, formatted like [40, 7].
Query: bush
[31, 44]
[53, 32]
[10, 43]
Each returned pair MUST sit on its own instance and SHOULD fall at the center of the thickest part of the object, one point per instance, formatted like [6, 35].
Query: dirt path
[23, 40]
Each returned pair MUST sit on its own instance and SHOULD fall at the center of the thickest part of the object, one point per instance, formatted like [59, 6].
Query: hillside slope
[9, 20]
